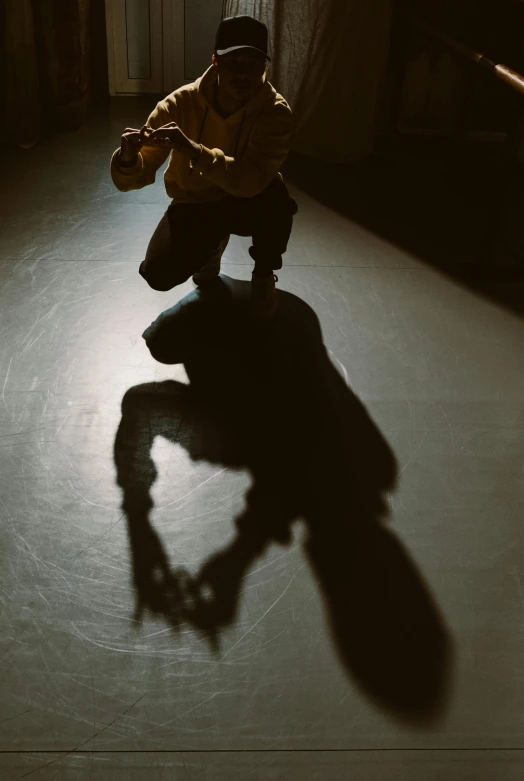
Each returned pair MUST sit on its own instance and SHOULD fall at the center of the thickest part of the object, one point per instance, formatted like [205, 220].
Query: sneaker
[211, 270]
[263, 296]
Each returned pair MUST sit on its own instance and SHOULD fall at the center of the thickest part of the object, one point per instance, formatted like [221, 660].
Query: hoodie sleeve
[149, 158]
[267, 149]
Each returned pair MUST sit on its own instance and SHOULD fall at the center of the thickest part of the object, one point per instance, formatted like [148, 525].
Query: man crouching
[227, 135]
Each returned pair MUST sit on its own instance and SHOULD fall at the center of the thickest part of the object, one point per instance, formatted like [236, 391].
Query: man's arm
[136, 174]
[267, 150]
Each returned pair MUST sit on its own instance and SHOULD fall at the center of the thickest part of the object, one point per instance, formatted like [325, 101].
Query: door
[157, 46]
[135, 46]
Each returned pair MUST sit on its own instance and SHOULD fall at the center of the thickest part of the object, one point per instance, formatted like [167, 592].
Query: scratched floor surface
[290, 552]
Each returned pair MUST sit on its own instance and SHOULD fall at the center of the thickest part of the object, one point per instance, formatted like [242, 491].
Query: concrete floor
[289, 552]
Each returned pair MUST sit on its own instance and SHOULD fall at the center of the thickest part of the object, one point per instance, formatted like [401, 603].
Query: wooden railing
[506, 75]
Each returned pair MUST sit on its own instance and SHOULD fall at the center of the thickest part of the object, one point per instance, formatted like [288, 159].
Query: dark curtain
[54, 65]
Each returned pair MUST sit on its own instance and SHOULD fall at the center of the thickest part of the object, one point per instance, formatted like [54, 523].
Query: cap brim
[234, 48]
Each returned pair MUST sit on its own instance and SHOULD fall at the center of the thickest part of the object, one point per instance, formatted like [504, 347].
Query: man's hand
[132, 142]
[171, 137]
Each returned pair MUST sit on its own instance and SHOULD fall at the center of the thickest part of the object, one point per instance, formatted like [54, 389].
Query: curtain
[328, 61]
[46, 67]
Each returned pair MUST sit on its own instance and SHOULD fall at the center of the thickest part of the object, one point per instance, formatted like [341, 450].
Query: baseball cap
[241, 32]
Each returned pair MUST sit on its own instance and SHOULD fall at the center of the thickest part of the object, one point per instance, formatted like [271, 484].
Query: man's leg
[271, 217]
[268, 219]
[184, 240]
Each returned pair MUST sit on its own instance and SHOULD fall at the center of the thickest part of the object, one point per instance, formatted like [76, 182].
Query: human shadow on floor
[266, 398]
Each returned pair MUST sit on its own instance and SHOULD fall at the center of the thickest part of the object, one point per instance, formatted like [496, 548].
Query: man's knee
[161, 280]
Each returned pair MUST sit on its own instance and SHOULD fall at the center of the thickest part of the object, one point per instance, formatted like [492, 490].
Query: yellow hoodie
[241, 154]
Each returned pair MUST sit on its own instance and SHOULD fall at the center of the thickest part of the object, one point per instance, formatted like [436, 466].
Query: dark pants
[189, 234]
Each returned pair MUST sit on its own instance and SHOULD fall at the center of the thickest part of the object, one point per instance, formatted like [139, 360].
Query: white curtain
[328, 61]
